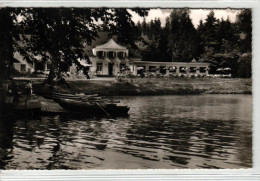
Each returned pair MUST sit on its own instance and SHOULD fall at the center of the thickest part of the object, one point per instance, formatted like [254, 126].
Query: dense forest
[60, 34]
[219, 42]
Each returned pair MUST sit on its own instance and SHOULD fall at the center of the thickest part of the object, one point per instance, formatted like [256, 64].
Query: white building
[21, 65]
[109, 58]
[176, 68]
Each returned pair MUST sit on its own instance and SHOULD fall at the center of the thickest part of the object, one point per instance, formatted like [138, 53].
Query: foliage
[223, 44]
[219, 42]
[6, 44]
[182, 38]
[60, 34]
[153, 42]
[245, 66]
[244, 30]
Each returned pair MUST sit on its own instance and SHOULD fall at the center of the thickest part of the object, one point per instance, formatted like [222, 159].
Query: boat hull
[93, 108]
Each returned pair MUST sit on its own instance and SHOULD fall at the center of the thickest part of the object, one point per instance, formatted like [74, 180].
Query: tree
[182, 39]
[209, 44]
[225, 44]
[139, 26]
[226, 35]
[244, 30]
[154, 41]
[144, 27]
[124, 27]
[201, 44]
[245, 65]
[61, 34]
[209, 32]
[7, 31]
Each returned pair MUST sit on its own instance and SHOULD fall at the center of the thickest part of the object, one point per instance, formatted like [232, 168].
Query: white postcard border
[170, 174]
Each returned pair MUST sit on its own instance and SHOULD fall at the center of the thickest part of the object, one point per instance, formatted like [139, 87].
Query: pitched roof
[111, 44]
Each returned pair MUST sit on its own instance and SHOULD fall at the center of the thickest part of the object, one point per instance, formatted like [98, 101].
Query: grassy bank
[152, 87]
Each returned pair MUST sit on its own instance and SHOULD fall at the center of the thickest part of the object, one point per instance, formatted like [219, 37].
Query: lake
[167, 132]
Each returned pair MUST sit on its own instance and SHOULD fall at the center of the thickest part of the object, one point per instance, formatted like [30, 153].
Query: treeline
[219, 42]
[61, 34]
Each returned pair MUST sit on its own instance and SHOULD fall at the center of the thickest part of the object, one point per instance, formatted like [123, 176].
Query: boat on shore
[90, 104]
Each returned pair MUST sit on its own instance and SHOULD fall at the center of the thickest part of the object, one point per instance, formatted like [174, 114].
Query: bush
[245, 66]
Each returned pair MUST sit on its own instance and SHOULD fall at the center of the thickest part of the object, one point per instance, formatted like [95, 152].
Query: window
[120, 55]
[99, 67]
[193, 69]
[163, 69]
[202, 69]
[111, 55]
[152, 68]
[23, 67]
[183, 69]
[141, 69]
[100, 54]
[48, 66]
[172, 69]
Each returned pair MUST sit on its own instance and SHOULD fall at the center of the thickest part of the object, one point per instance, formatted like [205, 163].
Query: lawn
[152, 86]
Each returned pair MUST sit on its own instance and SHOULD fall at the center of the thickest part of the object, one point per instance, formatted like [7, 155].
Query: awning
[227, 68]
[140, 68]
[85, 64]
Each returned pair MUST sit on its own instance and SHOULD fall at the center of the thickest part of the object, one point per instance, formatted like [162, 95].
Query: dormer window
[111, 55]
[121, 55]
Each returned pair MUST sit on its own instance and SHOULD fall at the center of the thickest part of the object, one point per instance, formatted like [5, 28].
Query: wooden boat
[90, 104]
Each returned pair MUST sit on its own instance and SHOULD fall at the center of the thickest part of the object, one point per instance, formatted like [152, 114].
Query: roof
[194, 60]
[171, 63]
[111, 44]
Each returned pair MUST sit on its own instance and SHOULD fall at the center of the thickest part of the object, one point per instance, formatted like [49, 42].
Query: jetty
[50, 106]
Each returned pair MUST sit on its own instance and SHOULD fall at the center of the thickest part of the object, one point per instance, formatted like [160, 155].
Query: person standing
[28, 88]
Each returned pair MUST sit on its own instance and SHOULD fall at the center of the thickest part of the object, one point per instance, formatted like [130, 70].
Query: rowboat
[90, 104]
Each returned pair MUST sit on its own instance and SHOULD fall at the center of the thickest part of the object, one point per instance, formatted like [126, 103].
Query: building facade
[167, 68]
[21, 65]
[111, 58]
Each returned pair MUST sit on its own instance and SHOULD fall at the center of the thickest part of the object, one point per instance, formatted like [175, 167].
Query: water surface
[206, 131]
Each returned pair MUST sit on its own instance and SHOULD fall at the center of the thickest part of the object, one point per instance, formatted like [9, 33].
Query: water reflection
[209, 131]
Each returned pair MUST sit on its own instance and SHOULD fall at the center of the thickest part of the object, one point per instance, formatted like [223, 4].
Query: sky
[195, 14]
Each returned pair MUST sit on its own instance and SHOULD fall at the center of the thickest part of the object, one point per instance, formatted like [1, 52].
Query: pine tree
[244, 28]
[182, 39]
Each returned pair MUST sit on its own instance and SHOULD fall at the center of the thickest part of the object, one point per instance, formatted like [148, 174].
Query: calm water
[207, 131]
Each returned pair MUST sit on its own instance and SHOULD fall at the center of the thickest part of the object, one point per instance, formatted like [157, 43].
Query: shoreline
[150, 87]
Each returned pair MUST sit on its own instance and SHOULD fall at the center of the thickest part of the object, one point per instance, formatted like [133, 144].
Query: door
[110, 68]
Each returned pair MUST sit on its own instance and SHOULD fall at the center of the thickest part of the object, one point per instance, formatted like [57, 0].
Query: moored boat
[90, 104]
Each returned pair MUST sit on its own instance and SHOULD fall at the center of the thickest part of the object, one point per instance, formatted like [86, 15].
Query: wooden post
[198, 70]
[177, 70]
[26, 116]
